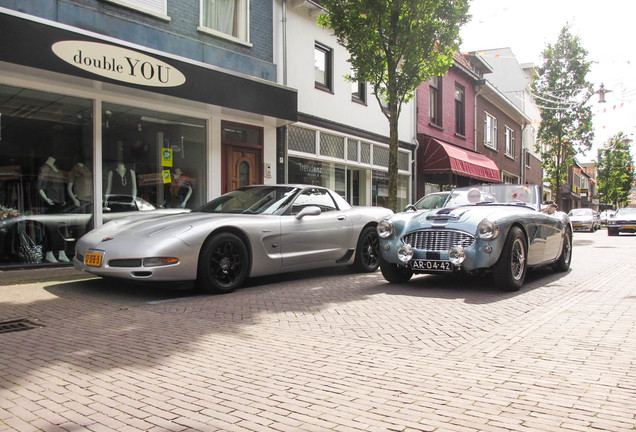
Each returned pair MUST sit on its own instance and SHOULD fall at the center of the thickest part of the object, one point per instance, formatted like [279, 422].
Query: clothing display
[51, 183]
[122, 181]
[179, 191]
[80, 186]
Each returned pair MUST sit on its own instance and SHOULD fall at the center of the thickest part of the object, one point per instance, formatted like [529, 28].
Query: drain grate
[17, 325]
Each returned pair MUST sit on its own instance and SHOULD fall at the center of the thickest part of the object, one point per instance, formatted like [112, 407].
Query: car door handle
[342, 217]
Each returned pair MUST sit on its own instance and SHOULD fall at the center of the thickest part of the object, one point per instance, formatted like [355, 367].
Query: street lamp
[601, 93]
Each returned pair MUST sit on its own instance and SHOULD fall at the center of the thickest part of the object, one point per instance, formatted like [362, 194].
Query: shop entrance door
[242, 151]
[243, 167]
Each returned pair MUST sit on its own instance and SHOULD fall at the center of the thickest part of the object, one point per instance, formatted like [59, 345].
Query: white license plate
[93, 259]
[432, 265]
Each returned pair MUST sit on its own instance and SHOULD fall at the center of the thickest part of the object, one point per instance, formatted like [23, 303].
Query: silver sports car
[501, 229]
[252, 231]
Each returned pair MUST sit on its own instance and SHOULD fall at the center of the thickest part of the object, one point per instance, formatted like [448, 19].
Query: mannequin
[80, 185]
[179, 191]
[121, 181]
[51, 189]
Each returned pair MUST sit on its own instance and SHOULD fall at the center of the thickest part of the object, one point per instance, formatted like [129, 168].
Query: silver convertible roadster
[500, 229]
[252, 231]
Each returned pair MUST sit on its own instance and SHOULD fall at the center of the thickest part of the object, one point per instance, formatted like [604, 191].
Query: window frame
[490, 131]
[435, 101]
[358, 90]
[242, 18]
[510, 142]
[328, 67]
[140, 7]
[460, 110]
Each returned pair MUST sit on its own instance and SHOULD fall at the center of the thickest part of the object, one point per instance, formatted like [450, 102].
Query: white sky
[607, 30]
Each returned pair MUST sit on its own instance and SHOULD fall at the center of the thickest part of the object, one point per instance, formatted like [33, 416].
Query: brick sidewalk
[340, 352]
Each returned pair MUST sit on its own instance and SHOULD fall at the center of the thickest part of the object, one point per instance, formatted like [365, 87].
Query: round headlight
[487, 230]
[405, 253]
[385, 229]
[456, 255]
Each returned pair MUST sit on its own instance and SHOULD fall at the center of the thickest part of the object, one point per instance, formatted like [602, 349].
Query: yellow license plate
[93, 259]
[628, 226]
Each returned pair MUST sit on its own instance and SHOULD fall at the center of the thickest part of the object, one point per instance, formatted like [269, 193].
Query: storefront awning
[38, 43]
[440, 157]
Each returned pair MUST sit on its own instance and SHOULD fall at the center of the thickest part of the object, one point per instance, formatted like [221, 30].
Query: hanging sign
[166, 157]
[118, 63]
[167, 178]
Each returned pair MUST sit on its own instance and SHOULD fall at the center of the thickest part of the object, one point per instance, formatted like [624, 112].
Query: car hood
[166, 225]
[466, 217]
[623, 219]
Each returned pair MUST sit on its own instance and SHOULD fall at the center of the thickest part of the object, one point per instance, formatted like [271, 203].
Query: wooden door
[243, 167]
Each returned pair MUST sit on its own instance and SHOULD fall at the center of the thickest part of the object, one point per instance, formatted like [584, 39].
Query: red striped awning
[440, 157]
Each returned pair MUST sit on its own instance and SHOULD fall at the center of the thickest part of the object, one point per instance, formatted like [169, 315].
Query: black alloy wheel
[223, 263]
[368, 251]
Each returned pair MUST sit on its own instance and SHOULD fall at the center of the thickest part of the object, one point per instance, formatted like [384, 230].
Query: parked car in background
[498, 229]
[606, 215]
[429, 201]
[252, 231]
[585, 219]
[624, 221]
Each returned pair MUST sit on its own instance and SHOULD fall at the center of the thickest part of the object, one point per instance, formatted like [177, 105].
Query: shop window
[323, 61]
[225, 18]
[318, 173]
[153, 157]
[380, 189]
[46, 180]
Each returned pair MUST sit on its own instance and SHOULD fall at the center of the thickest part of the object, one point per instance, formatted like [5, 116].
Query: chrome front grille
[438, 240]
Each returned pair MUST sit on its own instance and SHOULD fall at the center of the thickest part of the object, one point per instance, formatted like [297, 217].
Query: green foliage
[561, 91]
[615, 170]
[394, 45]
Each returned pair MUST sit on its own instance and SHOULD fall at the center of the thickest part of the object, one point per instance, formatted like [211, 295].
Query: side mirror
[308, 211]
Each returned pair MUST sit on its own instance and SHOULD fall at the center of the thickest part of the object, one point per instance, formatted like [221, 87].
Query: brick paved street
[329, 351]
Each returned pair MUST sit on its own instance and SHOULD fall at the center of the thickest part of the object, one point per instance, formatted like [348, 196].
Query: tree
[394, 45]
[615, 169]
[561, 91]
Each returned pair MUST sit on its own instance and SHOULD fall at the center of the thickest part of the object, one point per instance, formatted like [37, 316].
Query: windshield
[252, 200]
[580, 212]
[508, 194]
[431, 201]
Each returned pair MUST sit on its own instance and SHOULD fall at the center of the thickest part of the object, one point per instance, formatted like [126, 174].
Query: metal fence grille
[380, 156]
[438, 240]
[352, 150]
[332, 145]
[302, 139]
[403, 161]
[365, 152]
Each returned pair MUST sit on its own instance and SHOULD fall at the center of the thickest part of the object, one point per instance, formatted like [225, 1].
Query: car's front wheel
[563, 263]
[510, 270]
[223, 263]
[367, 251]
[394, 273]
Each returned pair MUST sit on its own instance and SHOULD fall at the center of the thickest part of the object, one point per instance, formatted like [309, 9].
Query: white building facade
[341, 137]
